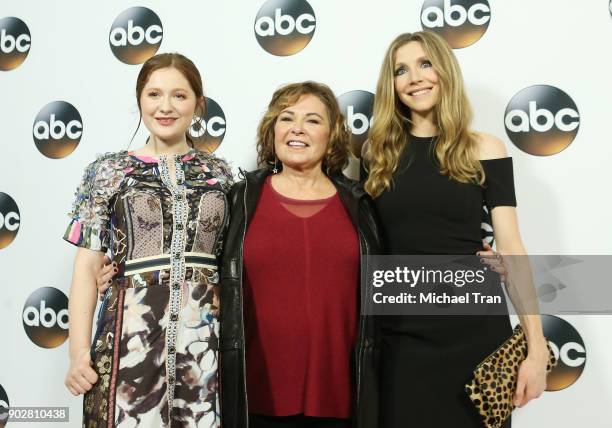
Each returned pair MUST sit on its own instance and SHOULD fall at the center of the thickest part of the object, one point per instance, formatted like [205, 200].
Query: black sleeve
[499, 183]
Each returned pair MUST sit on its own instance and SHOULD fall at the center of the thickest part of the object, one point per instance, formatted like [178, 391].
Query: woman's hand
[80, 377]
[532, 374]
[494, 260]
[105, 276]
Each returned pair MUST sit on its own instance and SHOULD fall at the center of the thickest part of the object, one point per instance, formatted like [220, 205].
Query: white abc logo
[135, 35]
[57, 129]
[440, 17]
[530, 120]
[45, 316]
[564, 356]
[304, 24]
[352, 117]
[215, 127]
[9, 43]
[10, 221]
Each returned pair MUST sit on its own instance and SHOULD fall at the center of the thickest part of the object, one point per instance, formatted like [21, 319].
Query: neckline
[425, 139]
[155, 159]
[289, 200]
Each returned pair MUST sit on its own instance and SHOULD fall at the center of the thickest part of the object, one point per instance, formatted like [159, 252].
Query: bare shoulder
[489, 146]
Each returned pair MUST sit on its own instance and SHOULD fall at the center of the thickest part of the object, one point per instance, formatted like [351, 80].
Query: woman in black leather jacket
[303, 146]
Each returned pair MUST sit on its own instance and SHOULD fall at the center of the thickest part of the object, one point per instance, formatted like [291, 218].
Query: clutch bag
[494, 383]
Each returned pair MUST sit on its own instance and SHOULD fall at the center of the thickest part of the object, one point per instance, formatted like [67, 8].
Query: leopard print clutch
[494, 383]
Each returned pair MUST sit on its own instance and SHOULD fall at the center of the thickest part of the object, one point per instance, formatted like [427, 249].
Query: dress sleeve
[499, 183]
[222, 171]
[90, 215]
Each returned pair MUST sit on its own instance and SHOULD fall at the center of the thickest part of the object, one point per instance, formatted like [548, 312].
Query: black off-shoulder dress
[426, 360]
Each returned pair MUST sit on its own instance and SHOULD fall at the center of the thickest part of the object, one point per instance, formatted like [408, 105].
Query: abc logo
[285, 27]
[4, 407]
[460, 22]
[45, 317]
[357, 107]
[569, 349]
[15, 43]
[542, 120]
[9, 220]
[486, 230]
[136, 35]
[208, 131]
[57, 130]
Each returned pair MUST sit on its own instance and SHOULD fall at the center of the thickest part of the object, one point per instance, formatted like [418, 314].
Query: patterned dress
[156, 341]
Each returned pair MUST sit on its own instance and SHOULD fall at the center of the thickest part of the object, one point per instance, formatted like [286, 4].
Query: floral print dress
[155, 347]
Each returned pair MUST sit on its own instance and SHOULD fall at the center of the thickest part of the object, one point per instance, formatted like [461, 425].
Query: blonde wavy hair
[337, 154]
[455, 145]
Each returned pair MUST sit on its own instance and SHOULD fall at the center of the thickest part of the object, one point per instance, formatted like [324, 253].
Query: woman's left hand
[532, 374]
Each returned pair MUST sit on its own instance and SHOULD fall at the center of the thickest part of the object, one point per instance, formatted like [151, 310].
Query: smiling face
[301, 133]
[416, 82]
[167, 105]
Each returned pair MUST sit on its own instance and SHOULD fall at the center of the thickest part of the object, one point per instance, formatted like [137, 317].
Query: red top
[301, 263]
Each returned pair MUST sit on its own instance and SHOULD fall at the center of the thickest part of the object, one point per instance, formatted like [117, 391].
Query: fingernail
[110, 281]
[114, 264]
[478, 254]
[116, 270]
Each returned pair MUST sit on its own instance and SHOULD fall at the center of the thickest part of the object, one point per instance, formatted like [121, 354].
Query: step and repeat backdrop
[537, 72]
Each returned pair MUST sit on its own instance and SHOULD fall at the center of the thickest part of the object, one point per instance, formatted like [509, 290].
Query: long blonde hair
[455, 146]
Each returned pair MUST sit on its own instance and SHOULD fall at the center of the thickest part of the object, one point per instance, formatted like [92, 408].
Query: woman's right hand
[105, 276]
[81, 376]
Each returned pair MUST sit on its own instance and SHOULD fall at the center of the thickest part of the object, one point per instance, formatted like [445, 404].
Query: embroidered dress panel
[156, 340]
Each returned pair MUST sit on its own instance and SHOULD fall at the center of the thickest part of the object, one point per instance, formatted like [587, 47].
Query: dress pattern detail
[156, 341]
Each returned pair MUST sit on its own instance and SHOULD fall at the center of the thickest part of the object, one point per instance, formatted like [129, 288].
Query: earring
[275, 169]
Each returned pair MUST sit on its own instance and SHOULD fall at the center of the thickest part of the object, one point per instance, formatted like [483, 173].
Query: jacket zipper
[243, 350]
[361, 325]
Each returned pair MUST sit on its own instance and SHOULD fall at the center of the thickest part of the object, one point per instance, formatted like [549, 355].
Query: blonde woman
[429, 174]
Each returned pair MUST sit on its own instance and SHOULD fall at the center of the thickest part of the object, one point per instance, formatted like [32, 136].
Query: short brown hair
[336, 157]
[182, 64]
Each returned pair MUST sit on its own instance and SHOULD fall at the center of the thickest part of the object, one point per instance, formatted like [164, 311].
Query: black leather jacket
[243, 198]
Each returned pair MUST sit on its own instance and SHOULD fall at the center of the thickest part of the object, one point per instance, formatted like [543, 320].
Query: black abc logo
[486, 228]
[568, 347]
[136, 35]
[9, 220]
[15, 41]
[57, 130]
[285, 27]
[547, 292]
[45, 317]
[460, 22]
[4, 407]
[208, 131]
[542, 120]
[357, 108]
